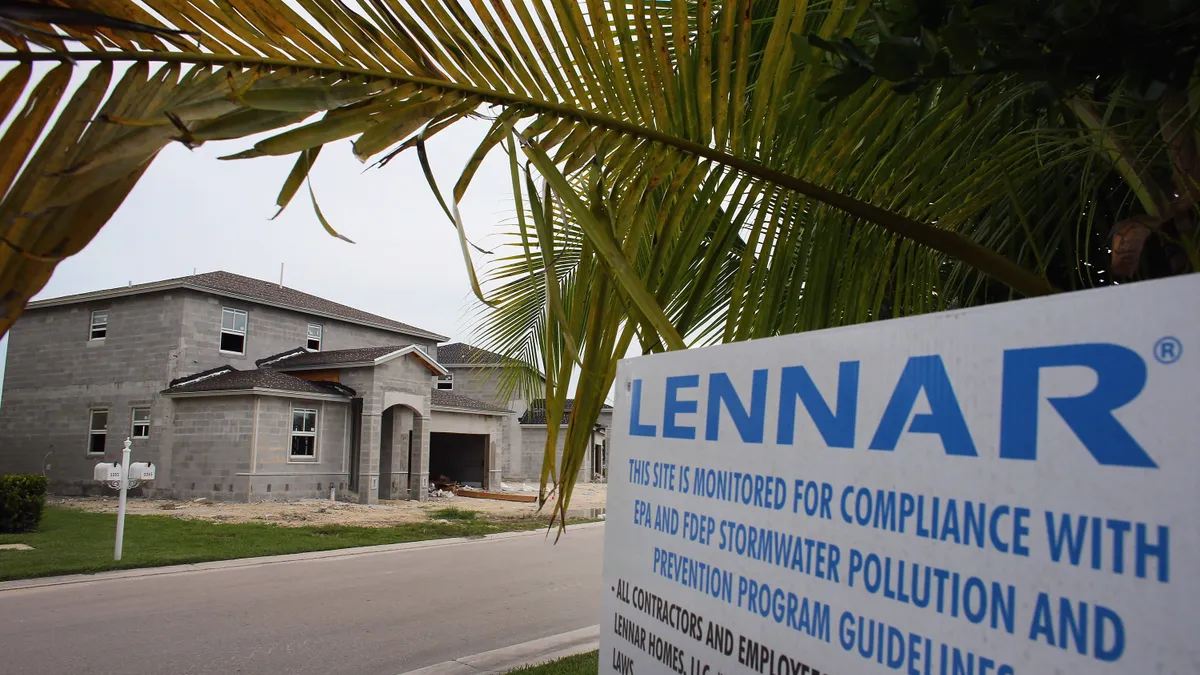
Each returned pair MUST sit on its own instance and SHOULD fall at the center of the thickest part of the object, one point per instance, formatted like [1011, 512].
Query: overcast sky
[191, 210]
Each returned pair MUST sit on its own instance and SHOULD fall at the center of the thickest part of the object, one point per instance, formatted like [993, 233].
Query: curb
[216, 565]
[518, 656]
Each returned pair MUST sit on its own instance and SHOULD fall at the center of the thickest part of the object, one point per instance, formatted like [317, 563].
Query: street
[375, 614]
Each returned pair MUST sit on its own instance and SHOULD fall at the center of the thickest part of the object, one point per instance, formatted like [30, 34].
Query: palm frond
[677, 178]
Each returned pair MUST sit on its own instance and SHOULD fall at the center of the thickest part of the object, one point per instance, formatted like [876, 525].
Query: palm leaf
[698, 191]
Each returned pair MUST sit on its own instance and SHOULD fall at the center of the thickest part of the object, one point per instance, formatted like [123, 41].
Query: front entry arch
[403, 454]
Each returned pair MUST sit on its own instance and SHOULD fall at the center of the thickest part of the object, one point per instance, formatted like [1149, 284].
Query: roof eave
[173, 285]
[282, 366]
[491, 365]
[471, 411]
[105, 294]
[257, 391]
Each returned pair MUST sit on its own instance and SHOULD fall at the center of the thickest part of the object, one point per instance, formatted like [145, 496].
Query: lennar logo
[1120, 376]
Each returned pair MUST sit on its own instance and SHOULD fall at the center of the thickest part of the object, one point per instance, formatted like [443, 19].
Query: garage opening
[458, 458]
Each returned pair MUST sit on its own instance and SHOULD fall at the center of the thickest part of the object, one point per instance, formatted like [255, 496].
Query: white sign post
[1007, 490]
[122, 477]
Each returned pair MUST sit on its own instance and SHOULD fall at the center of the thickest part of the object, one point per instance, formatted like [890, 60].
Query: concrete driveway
[373, 614]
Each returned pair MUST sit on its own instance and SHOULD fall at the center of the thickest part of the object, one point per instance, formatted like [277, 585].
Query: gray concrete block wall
[49, 347]
[479, 383]
[54, 375]
[298, 479]
[212, 442]
[269, 330]
[47, 432]
[528, 466]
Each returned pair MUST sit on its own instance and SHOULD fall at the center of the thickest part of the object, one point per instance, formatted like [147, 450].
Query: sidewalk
[518, 656]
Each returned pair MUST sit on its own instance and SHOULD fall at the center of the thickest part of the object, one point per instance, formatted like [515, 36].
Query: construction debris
[500, 496]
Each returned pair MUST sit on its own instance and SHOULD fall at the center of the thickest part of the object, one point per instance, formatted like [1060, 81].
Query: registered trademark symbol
[1168, 350]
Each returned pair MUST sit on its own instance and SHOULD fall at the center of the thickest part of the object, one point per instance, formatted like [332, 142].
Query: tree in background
[684, 172]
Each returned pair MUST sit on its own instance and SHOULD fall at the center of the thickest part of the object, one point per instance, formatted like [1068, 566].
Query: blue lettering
[1020, 531]
[836, 428]
[1071, 537]
[1108, 621]
[673, 407]
[749, 424]
[1159, 551]
[945, 417]
[636, 428]
[1120, 377]
[1042, 626]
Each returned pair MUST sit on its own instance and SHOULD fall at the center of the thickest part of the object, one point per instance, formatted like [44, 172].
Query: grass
[580, 664]
[70, 541]
[453, 513]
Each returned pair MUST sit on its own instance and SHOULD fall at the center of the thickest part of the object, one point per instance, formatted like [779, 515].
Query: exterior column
[386, 454]
[419, 471]
[368, 457]
[514, 445]
[401, 428]
[495, 452]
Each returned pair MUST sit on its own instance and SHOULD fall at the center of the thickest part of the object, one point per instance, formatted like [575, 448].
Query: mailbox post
[121, 504]
[123, 477]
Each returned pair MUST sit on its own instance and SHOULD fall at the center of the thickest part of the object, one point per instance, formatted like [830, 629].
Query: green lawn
[71, 541]
[582, 664]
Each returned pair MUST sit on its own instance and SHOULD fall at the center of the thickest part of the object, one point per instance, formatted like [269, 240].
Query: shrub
[22, 497]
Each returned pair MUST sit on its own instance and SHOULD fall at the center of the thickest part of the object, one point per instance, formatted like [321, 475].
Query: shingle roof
[302, 358]
[462, 354]
[255, 290]
[448, 399]
[537, 411]
[229, 379]
[570, 403]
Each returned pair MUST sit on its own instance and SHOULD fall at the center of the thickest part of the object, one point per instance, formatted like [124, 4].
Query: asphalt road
[377, 614]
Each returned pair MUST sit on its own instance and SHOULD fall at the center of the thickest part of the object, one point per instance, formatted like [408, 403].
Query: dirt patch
[585, 502]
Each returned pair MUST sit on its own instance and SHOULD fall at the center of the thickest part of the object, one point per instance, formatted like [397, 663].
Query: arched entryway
[403, 457]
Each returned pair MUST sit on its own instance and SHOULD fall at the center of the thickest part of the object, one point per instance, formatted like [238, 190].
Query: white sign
[1008, 490]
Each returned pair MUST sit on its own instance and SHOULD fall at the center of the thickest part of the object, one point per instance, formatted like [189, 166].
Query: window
[233, 330]
[446, 382]
[97, 431]
[424, 349]
[99, 325]
[314, 337]
[141, 423]
[304, 433]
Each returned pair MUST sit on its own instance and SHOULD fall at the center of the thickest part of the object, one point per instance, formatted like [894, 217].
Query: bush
[22, 497]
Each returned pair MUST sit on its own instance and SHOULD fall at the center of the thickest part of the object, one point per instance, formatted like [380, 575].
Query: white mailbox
[141, 471]
[107, 471]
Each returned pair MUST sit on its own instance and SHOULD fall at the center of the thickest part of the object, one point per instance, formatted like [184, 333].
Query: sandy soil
[585, 500]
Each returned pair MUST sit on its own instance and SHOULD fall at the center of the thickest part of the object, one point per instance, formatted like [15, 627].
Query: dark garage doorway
[460, 457]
